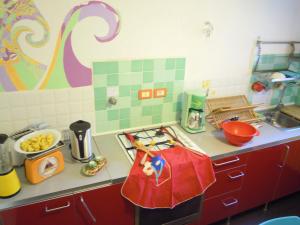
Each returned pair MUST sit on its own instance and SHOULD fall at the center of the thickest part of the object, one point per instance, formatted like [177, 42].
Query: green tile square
[112, 79]
[156, 109]
[124, 91]
[112, 67]
[159, 64]
[125, 124]
[104, 126]
[135, 88]
[170, 86]
[148, 65]
[159, 85]
[179, 75]
[112, 114]
[124, 113]
[137, 66]
[170, 64]
[136, 78]
[147, 110]
[126, 79]
[101, 115]
[169, 97]
[147, 77]
[99, 80]
[135, 113]
[156, 119]
[100, 93]
[99, 68]
[180, 63]
[147, 86]
[135, 102]
[124, 102]
[100, 104]
[177, 106]
[124, 66]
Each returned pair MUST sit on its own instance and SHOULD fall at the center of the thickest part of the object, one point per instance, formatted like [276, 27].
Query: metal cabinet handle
[227, 162]
[241, 174]
[287, 148]
[233, 202]
[47, 210]
[87, 209]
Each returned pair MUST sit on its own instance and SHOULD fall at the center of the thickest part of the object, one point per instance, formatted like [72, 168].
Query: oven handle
[227, 162]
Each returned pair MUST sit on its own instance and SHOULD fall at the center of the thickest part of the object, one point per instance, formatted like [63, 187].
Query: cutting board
[292, 110]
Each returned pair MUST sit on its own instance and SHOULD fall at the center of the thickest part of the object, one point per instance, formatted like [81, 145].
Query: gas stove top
[155, 139]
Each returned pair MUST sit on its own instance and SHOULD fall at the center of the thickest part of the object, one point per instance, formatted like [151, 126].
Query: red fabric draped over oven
[185, 175]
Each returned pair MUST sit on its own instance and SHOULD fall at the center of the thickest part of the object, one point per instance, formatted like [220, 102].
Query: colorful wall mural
[19, 71]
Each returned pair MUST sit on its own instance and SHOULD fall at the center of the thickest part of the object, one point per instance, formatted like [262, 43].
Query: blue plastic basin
[289, 220]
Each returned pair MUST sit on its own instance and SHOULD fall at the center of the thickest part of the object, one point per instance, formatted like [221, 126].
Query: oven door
[184, 213]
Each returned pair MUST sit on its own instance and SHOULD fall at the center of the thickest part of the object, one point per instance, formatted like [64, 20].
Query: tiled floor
[287, 206]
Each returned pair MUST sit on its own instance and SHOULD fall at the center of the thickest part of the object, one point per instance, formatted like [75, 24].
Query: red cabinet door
[289, 181]
[54, 211]
[104, 206]
[263, 170]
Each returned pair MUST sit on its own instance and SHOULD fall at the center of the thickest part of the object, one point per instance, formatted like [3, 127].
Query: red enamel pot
[238, 133]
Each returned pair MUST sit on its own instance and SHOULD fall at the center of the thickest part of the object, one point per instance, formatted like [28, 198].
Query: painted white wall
[151, 29]
[167, 28]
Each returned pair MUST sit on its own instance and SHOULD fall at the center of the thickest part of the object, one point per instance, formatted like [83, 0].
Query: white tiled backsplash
[58, 108]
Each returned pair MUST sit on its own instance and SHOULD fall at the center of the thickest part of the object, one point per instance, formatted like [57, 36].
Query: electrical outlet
[206, 84]
[145, 94]
[160, 92]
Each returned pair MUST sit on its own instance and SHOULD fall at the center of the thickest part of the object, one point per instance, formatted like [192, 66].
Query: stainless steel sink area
[280, 119]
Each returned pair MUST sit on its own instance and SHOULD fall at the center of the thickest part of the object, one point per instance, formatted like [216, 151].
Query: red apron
[186, 174]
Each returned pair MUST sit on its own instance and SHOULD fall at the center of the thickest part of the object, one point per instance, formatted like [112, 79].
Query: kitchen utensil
[232, 106]
[238, 133]
[44, 166]
[192, 117]
[139, 146]
[81, 144]
[9, 182]
[258, 86]
[56, 135]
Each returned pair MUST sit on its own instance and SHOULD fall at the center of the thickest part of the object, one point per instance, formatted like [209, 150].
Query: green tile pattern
[276, 62]
[273, 62]
[129, 77]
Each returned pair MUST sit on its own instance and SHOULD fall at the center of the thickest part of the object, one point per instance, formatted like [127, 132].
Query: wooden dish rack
[225, 108]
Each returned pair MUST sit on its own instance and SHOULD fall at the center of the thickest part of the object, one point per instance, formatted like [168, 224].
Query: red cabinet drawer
[230, 162]
[221, 207]
[54, 211]
[226, 181]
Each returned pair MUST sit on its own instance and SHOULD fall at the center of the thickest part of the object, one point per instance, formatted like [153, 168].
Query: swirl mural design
[18, 71]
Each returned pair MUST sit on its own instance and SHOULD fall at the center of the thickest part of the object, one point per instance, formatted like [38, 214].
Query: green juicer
[193, 117]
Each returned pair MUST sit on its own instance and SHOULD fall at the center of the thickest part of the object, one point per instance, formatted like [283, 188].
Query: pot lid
[80, 126]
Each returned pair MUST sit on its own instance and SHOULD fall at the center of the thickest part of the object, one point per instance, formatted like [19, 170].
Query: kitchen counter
[71, 180]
